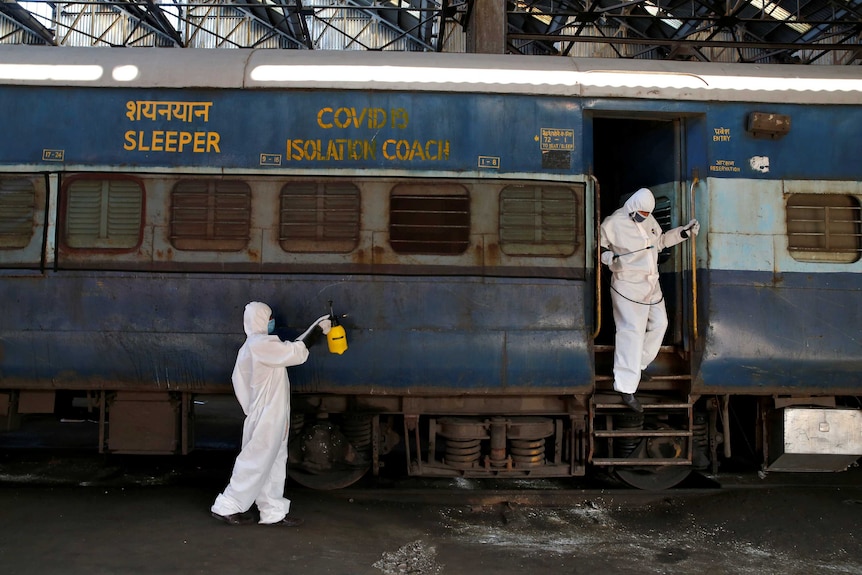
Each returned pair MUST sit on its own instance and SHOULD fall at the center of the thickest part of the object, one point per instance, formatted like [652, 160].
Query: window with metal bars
[17, 211]
[429, 219]
[319, 217]
[538, 221]
[210, 215]
[824, 228]
[103, 213]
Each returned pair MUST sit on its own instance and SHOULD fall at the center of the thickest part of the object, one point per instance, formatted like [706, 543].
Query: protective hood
[641, 201]
[256, 317]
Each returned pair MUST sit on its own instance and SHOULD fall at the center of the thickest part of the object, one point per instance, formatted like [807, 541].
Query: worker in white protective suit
[263, 390]
[631, 240]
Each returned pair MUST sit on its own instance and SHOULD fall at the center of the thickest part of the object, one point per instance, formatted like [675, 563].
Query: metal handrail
[694, 182]
[598, 223]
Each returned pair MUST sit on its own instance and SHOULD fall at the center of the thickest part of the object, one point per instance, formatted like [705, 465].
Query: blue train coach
[446, 207]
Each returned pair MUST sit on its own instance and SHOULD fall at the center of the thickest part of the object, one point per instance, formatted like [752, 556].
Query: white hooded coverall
[263, 391]
[639, 309]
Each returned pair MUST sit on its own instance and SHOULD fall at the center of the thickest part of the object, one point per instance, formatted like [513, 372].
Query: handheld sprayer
[336, 339]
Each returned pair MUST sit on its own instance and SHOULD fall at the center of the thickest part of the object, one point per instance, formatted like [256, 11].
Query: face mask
[270, 327]
[637, 217]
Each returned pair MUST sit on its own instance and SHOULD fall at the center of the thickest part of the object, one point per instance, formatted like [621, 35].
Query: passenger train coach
[446, 208]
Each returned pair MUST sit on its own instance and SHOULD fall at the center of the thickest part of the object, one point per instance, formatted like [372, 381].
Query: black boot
[633, 403]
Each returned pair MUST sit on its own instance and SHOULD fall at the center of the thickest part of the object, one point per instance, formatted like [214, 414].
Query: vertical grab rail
[598, 239]
[693, 250]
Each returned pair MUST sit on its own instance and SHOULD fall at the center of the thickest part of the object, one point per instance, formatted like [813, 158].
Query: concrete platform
[91, 516]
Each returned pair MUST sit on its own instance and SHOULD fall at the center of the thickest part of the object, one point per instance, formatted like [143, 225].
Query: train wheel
[333, 479]
[655, 478]
[321, 457]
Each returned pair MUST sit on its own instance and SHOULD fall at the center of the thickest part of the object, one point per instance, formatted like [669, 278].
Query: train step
[671, 371]
[613, 401]
[647, 439]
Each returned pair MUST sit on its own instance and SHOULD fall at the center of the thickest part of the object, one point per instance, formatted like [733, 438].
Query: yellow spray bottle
[337, 337]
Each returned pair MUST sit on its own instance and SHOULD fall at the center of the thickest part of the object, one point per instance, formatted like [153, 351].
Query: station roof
[753, 31]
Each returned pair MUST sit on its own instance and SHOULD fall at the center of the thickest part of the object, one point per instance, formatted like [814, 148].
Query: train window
[538, 221]
[17, 210]
[211, 215]
[824, 228]
[319, 217]
[429, 219]
[103, 213]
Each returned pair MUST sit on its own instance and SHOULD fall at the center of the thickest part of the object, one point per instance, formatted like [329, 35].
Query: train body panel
[450, 207]
[799, 336]
[780, 321]
[150, 332]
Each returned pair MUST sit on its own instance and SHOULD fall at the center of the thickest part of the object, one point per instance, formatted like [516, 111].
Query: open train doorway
[653, 447]
[645, 152]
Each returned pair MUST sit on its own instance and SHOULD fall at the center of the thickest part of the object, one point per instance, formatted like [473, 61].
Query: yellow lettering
[141, 146]
[157, 140]
[334, 150]
[417, 150]
[213, 140]
[199, 142]
[310, 150]
[342, 117]
[429, 155]
[171, 141]
[320, 122]
[399, 118]
[388, 151]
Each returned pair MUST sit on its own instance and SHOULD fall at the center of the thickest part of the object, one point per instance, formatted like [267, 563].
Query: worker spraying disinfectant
[262, 388]
[631, 240]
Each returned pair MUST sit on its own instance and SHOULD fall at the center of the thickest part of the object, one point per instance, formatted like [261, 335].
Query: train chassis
[477, 437]
[336, 440]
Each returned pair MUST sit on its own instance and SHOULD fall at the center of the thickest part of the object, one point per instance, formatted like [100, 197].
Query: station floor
[85, 516]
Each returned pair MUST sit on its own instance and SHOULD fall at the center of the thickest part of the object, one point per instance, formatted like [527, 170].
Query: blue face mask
[270, 327]
[636, 216]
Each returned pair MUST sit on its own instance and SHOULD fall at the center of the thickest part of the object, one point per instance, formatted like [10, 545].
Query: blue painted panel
[394, 131]
[283, 129]
[777, 334]
[821, 143]
[405, 335]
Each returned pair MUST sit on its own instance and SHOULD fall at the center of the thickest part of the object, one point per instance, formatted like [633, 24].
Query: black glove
[313, 337]
[691, 229]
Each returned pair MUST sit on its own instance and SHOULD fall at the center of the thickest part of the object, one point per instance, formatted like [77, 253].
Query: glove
[692, 228]
[321, 325]
[607, 257]
[311, 339]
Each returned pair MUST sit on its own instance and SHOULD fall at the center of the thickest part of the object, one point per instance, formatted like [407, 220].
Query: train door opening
[631, 153]
[656, 447]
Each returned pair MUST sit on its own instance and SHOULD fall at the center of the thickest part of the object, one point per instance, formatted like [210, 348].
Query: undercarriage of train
[653, 450]
[334, 443]
[337, 440]
[553, 436]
